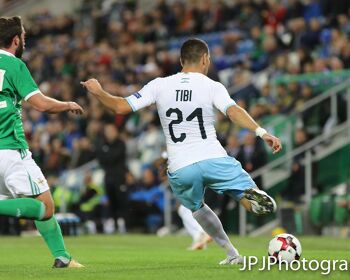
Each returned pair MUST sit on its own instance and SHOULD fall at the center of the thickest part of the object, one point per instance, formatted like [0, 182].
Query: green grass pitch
[149, 257]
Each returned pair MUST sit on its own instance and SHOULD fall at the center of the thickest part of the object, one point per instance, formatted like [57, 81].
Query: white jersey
[185, 103]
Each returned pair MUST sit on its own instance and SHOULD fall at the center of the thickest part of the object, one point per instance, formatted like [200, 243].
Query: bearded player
[24, 192]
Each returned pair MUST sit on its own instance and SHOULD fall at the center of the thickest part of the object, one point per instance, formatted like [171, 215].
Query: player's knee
[47, 200]
[49, 212]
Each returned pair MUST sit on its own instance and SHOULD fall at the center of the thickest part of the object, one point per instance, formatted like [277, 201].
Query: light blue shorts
[223, 175]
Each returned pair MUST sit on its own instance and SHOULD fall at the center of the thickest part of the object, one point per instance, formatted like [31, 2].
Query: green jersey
[16, 84]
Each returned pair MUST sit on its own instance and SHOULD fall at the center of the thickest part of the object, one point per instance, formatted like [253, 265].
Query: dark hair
[9, 28]
[192, 50]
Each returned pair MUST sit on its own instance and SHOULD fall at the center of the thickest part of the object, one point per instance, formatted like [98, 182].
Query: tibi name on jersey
[183, 95]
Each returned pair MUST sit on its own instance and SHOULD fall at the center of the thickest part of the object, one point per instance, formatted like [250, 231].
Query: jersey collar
[6, 53]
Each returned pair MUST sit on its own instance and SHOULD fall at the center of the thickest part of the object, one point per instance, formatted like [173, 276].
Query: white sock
[212, 225]
[191, 225]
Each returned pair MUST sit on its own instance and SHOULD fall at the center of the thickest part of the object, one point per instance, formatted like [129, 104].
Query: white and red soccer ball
[285, 247]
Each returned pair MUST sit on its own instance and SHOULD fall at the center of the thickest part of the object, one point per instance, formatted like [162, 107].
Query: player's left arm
[118, 105]
[241, 117]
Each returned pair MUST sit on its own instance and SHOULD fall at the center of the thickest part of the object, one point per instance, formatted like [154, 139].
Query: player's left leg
[50, 230]
[188, 185]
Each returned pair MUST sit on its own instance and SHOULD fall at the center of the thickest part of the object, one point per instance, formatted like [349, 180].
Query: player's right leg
[20, 176]
[27, 208]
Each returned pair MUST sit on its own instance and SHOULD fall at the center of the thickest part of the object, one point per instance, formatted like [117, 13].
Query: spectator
[312, 9]
[314, 117]
[265, 97]
[244, 88]
[250, 17]
[284, 100]
[311, 38]
[306, 95]
[275, 14]
[147, 202]
[57, 157]
[232, 147]
[71, 134]
[89, 207]
[296, 185]
[111, 153]
[252, 155]
[83, 152]
[151, 143]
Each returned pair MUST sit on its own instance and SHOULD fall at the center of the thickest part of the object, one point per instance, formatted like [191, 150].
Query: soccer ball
[285, 247]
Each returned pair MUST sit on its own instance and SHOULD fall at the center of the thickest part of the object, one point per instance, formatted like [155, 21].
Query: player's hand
[273, 142]
[75, 108]
[93, 86]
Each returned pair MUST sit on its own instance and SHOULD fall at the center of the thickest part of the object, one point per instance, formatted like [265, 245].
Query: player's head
[195, 53]
[110, 132]
[12, 35]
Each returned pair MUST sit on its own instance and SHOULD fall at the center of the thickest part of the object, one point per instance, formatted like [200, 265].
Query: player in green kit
[24, 192]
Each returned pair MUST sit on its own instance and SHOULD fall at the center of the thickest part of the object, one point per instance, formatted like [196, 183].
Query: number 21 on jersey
[197, 113]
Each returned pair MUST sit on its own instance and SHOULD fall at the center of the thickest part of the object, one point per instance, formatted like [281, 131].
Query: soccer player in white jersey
[186, 105]
[24, 192]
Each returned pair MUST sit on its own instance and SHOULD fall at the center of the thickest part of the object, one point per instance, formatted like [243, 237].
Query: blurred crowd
[125, 45]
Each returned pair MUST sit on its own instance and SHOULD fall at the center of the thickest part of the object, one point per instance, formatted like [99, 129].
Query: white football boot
[232, 260]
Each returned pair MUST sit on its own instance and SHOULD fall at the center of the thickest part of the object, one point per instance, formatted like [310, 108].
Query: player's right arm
[241, 117]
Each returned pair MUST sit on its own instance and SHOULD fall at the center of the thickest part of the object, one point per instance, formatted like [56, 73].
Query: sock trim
[42, 211]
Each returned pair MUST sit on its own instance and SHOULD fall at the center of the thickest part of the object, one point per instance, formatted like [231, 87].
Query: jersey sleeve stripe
[228, 106]
[29, 95]
[128, 99]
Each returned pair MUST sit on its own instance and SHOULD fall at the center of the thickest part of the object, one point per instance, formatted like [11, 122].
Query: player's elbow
[234, 112]
[40, 103]
[122, 107]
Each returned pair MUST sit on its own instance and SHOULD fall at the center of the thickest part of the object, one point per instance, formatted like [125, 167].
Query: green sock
[28, 208]
[51, 232]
